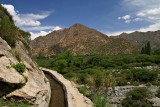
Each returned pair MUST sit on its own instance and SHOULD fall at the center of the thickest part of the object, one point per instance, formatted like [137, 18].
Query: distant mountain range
[81, 40]
[141, 38]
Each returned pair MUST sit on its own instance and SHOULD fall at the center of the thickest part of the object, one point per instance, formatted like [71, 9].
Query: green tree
[143, 50]
[148, 48]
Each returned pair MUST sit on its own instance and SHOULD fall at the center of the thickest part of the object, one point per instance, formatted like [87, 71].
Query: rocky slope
[140, 38]
[20, 78]
[80, 40]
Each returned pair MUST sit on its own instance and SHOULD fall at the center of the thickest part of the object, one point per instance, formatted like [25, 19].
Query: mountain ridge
[80, 40]
[141, 38]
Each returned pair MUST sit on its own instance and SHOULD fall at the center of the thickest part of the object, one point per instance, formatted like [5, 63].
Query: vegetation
[8, 31]
[158, 93]
[146, 49]
[20, 67]
[96, 73]
[137, 98]
[100, 101]
[104, 71]
[8, 103]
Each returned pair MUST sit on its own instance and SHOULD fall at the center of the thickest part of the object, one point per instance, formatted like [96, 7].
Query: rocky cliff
[20, 78]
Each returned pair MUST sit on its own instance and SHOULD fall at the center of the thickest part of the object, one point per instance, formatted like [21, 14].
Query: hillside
[140, 38]
[80, 40]
[21, 82]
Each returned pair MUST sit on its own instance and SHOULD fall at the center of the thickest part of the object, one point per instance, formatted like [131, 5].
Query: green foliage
[83, 90]
[100, 72]
[100, 101]
[139, 94]
[158, 93]
[8, 31]
[20, 67]
[98, 79]
[17, 55]
[93, 70]
[137, 98]
[140, 75]
[8, 103]
[157, 52]
[146, 49]
[7, 27]
[82, 78]
[26, 35]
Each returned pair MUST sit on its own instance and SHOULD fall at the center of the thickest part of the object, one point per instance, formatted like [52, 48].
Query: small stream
[57, 93]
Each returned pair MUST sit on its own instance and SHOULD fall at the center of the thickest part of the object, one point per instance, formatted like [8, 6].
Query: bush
[8, 103]
[83, 78]
[17, 55]
[98, 79]
[141, 75]
[20, 67]
[84, 91]
[158, 93]
[100, 101]
[137, 98]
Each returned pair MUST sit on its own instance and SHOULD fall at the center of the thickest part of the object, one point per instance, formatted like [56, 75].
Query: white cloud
[118, 32]
[144, 10]
[38, 28]
[43, 33]
[138, 19]
[29, 19]
[126, 18]
[31, 22]
[57, 28]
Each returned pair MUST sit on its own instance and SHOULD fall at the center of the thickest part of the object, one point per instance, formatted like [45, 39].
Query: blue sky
[111, 17]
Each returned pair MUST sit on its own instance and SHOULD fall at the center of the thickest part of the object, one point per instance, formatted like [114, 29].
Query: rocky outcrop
[74, 98]
[31, 85]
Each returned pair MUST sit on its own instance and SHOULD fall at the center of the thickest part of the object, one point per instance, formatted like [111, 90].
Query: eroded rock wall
[31, 85]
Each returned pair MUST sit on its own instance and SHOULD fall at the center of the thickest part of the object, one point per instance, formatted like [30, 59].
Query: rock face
[80, 40]
[74, 98]
[31, 85]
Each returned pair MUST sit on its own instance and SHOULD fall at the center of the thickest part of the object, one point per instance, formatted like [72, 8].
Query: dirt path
[57, 93]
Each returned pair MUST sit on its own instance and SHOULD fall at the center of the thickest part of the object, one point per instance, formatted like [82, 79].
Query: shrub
[17, 55]
[98, 79]
[100, 101]
[158, 93]
[137, 98]
[84, 91]
[9, 103]
[141, 75]
[83, 78]
[20, 67]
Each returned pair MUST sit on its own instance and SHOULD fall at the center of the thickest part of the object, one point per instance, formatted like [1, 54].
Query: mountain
[80, 40]
[141, 38]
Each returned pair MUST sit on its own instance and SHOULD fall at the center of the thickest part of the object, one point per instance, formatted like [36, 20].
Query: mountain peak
[77, 25]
